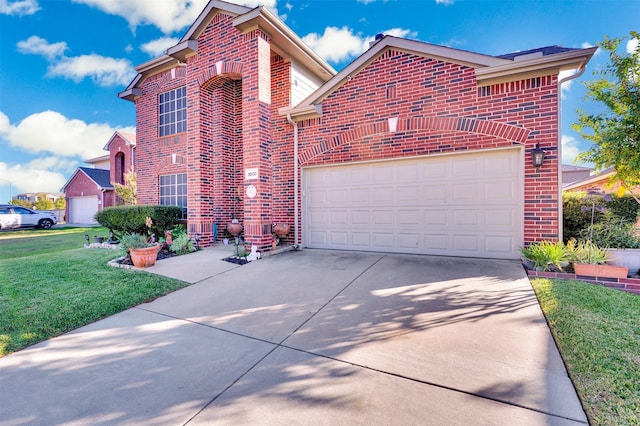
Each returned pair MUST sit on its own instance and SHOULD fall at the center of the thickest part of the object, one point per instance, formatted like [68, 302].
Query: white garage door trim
[464, 204]
[82, 209]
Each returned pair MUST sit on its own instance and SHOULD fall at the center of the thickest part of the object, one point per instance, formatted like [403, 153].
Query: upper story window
[172, 117]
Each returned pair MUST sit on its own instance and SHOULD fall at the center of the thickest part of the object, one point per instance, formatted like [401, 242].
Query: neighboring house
[571, 174]
[600, 182]
[90, 189]
[412, 148]
[33, 196]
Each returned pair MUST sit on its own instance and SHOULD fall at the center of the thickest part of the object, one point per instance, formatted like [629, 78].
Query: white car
[17, 217]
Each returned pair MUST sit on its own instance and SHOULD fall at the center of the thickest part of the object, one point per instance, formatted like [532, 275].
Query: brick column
[256, 103]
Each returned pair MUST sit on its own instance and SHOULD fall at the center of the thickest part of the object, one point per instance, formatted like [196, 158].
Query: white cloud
[157, 47]
[168, 16]
[445, 2]
[340, 44]
[20, 8]
[38, 46]
[52, 132]
[632, 46]
[570, 149]
[34, 176]
[102, 70]
[566, 86]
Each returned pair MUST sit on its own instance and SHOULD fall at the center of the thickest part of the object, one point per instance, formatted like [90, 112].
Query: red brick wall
[119, 145]
[440, 109]
[229, 120]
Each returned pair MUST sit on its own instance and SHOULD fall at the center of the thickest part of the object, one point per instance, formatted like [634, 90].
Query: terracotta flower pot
[281, 230]
[144, 257]
[234, 229]
[602, 271]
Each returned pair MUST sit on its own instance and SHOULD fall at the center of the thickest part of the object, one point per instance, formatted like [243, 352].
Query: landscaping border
[630, 285]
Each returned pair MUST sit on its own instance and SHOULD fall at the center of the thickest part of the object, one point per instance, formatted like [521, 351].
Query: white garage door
[82, 209]
[457, 205]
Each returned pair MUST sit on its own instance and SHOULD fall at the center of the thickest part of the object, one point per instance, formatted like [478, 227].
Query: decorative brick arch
[448, 124]
[232, 70]
[170, 160]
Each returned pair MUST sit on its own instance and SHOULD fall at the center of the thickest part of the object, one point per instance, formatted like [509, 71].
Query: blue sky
[62, 62]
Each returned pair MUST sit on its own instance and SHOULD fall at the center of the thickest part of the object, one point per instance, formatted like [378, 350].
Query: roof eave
[299, 114]
[183, 50]
[574, 59]
[284, 38]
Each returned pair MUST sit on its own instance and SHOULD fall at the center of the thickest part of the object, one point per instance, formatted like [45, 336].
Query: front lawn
[597, 330]
[49, 285]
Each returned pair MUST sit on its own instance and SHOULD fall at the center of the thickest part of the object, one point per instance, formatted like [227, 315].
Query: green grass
[49, 285]
[597, 330]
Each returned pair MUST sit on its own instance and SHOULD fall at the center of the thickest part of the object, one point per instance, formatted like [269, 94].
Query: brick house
[90, 189]
[412, 148]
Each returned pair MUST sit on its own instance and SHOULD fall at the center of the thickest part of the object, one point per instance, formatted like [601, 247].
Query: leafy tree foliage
[615, 132]
[60, 203]
[43, 203]
[128, 193]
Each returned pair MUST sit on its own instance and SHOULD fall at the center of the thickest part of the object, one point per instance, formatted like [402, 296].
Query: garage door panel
[83, 209]
[338, 217]
[360, 195]
[467, 204]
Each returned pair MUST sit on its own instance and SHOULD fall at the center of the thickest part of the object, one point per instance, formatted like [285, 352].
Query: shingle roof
[547, 50]
[100, 176]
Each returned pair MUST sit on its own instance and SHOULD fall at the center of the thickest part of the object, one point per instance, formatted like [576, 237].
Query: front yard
[597, 330]
[50, 284]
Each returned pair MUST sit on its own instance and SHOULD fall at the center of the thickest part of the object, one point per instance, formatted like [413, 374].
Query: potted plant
[590, 260]
[142, 249]
[143, 253]
[622, 240]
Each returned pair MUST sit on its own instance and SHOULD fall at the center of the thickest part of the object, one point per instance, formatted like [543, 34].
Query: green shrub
[588, 252]
[613, 232]
[626, 208]
[576, 212]
[547, 256]
[182, 244]
[132, 219]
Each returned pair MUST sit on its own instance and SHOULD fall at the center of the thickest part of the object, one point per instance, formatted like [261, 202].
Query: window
[172, 116]
[173, 191]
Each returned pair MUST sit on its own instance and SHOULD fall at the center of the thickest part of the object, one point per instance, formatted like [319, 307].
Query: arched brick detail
[232, 69]
[168, 161]
[448, 124]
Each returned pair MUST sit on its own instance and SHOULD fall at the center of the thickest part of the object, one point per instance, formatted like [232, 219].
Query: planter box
[602, 271]
[625, 257]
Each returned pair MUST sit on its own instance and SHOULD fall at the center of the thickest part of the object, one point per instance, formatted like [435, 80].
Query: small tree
[43, 203]
[60, 203]
[128, 192]
[615, 133]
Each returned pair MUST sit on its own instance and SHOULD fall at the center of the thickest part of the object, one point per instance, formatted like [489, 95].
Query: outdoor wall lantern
[537, 156]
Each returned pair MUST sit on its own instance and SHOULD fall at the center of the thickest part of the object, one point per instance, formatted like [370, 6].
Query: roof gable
[101, 177]
[128, 138]
[488, 68]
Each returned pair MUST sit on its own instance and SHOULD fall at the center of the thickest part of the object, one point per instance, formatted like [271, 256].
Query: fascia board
[130, 94]
[183, 50]
[284, 38]
[298, 114]
[573, 59]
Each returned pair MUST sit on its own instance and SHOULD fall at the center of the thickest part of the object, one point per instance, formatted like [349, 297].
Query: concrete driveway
[307, 337]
